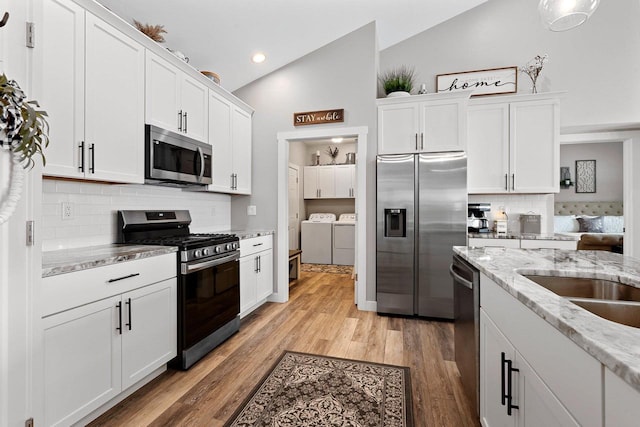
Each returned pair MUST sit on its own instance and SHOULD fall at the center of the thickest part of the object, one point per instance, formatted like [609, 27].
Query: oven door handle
[192, 268]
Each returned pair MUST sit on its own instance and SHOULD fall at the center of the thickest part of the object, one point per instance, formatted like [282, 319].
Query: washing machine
[317, 241]
[344, 239]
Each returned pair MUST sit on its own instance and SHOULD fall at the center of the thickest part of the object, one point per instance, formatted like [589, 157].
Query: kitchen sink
[582, 287]
[610, 300]
[626, 313]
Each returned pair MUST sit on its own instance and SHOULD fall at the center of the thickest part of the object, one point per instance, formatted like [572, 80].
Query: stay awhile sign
[318, 117]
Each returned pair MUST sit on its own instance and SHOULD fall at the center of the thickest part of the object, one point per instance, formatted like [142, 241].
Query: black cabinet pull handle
[92, 165]
[421, 140]
[416, 141]
[123, 277]
[180, 120]
[255, 269]
[81, 167]
[129, 306]
[513, 181]
[119, 307]
[510, 370]
[259, 263]
[506, 182]
[257, 244]
[185, 122]
[503, 362]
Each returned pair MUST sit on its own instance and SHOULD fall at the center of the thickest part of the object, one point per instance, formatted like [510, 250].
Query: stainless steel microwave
[175, 159]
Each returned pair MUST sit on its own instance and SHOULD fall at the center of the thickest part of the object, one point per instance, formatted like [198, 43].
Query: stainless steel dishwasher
[466, 324]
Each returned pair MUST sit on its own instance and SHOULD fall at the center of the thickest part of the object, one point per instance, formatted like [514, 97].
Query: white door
[310, 182]
[441, 126]
[294, 207]
[59, 83]
[265, 274]
[194, 108]
[114, 104]
[398, 128]
[248, 282]
[241, 145]
[162, 93]
[326, 181]
[220, 140]
[344, 186]
[149, 330]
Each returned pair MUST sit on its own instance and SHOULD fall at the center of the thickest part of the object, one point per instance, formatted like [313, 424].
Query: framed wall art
[585, 176]
[492, 81]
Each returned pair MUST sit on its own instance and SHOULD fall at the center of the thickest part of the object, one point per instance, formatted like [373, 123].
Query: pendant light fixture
[563, 15]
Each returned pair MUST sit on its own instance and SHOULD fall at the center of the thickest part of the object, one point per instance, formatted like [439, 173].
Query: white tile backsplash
[516, 204]
[94, 207]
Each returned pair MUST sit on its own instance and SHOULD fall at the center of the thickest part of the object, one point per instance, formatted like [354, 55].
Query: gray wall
[597, 63]
[341, 74]
[608, 157]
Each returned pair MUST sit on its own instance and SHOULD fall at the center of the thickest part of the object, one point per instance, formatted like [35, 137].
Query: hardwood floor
[320, 318]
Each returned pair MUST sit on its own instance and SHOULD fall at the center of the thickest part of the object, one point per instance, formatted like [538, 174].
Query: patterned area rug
[327, 268]
[309, 390]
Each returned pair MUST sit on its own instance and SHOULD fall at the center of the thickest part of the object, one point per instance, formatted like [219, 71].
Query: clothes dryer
[344, 239]
[317, 238]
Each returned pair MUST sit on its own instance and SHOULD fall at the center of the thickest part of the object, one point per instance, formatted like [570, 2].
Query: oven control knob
[234, 245]
[227, 247]
[197, 253]
[217, 249]
[205, 252]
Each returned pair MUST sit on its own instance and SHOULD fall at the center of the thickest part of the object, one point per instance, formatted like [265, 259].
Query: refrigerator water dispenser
[395, 223]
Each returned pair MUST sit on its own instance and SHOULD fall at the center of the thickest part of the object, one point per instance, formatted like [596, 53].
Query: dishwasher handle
[460, 279]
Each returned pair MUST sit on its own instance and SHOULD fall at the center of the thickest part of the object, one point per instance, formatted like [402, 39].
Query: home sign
[483, 82]
[318, 117]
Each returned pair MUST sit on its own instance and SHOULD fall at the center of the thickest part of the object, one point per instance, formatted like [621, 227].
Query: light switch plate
[67, 210]
[251, 210]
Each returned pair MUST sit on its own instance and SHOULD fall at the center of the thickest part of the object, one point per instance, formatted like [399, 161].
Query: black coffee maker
[477, 221]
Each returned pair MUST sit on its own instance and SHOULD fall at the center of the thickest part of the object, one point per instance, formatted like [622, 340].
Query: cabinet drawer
[255, 245]
[70, 290]
[482, 242]
[561, 364]
[548, 244]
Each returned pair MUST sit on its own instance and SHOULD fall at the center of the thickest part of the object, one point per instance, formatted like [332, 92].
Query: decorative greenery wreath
[24, 131]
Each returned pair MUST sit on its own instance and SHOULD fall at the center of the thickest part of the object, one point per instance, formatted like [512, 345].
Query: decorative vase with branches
[333, 152]
[533, 69]
[24, 132]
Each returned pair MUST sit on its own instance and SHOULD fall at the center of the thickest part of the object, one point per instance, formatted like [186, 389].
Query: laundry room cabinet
[319, 182]
[256, 272]
[422, 123]
[89, 77]
[345, 181]
[174, 100]
[513, 144]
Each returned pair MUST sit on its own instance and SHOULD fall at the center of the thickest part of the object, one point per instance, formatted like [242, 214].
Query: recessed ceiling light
[336, 140]
[258, 57]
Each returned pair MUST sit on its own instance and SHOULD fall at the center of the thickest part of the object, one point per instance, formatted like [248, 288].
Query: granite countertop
[76, 259]
[616, 346]
[522, 236]
[249, 234]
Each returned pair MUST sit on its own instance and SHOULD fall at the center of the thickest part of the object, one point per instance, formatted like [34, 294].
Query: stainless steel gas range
[208, 278]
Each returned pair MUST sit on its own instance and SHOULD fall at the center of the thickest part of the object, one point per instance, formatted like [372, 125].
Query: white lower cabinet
[548, 379]
[256, 272]
[481, 242]
[621, 402]
[95, 351]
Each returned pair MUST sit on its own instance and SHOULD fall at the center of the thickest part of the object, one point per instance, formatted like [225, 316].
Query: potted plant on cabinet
[23, 132]
[398, 81]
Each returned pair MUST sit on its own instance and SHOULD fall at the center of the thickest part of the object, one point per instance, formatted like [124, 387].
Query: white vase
[398, 94]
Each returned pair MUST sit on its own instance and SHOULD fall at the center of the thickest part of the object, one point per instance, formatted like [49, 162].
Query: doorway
[282, 268]
[294, 206]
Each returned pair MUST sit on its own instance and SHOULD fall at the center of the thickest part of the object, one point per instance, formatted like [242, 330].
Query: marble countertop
[76, 259]
[614, 345]
[243, 234]
[521, 236]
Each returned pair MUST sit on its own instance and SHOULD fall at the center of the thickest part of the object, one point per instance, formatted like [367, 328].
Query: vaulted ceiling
[222, 35]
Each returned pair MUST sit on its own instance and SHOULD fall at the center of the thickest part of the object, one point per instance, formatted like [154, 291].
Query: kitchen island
[588, 365]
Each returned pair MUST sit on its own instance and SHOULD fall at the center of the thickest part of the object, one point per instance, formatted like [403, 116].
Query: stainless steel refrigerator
[421, 214]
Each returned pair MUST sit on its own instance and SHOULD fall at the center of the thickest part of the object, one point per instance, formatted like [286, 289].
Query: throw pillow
[591, 225]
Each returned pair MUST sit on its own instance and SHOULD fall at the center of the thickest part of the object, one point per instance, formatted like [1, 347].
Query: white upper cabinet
[230, 136]
[422, 123]
[174, 100]
[84, 70]
[319, 182]
[513, 145]
[345, 181]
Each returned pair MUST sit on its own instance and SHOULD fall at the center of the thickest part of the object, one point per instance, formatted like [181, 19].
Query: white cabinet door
[241, 145]
[310, 182]
[162, 93]
[194, 107]
[442, 126]
[345, 181]
[114, 104]
[538, 405]
[220, 140]
[398, 128]
[248, 283]
[535, 149]
[326, 182]
[149, 330]
[621, 402]
[488, 148]
[265, 275]
[81, 361]
[59, 83]
[495, 350]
